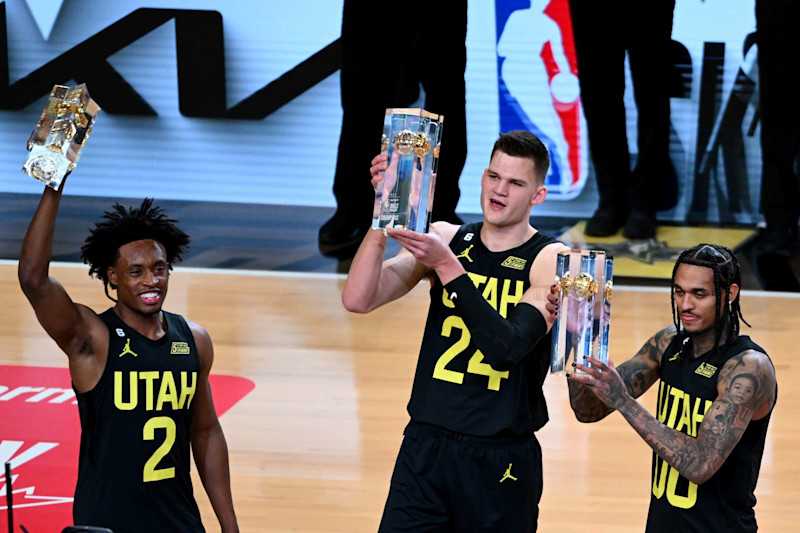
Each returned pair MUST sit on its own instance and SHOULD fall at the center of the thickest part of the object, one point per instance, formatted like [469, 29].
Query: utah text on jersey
[681, 412]
[173, 390]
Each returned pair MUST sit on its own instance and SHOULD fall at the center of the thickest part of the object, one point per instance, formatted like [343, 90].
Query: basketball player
[469, 460]
[140, 375]
[715, 399]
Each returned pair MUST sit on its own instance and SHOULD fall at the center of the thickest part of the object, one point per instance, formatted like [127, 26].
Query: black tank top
[133, 471]
[725, 502]
[453, 388]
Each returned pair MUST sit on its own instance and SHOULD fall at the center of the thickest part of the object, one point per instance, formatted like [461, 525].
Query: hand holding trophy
[404, 197]
[584, 281]
[60, 135]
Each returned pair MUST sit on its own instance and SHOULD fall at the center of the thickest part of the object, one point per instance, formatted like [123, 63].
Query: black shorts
[445, 481]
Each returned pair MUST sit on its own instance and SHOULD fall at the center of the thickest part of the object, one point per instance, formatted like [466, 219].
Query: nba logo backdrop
[538, 86]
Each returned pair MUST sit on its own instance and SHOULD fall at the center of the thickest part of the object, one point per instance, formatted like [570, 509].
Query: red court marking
[45, 426]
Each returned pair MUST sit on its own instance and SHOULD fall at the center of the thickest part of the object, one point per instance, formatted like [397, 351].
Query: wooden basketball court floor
[313, 445]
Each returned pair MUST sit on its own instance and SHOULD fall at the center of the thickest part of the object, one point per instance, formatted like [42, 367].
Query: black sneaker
[777, 240]
[342, 231]
[604, 223]
[640, 226]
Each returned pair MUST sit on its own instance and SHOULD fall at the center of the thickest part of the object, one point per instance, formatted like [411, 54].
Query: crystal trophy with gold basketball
[60, 135]
[584, 279]
[411, 140]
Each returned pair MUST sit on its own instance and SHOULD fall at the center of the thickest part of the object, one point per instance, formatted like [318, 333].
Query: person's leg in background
[370, 80]
[600, 48]
[443, 53]
[648, 33]
[778, 49]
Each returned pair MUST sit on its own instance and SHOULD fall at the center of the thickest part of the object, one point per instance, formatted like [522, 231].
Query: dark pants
[387, 53]
[448, 482]
[604, 32]
[778, 23]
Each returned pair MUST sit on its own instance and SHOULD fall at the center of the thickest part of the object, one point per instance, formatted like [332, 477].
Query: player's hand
[429, 248]
[378, 165]
[553, 305]
[604, 381]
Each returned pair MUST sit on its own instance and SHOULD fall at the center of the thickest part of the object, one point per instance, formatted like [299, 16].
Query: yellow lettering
[686, 414]
[659, 477]
[681, 502]
[677, 395]
[506, 298]
[151, 473]
[663, 403]
[477, 366]
[697, 416]
[134, 391]
[446, 301]
[167, 392]
[148, 378]
[187, 391]
[477, 279]
[490, 292]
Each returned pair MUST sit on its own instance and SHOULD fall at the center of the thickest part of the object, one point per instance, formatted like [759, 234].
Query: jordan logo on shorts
[127, 349]
[465, 253]
[508, 475]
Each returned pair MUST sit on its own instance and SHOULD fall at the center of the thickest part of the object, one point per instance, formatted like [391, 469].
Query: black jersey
[133, 473]
[725, 502]
[453, 387]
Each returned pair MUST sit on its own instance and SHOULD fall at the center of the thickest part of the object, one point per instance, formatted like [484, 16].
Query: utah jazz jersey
[133, 473]
[453, 387]
[725, 502]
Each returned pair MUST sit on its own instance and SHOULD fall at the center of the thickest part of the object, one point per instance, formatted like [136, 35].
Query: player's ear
[539, 196]
[733, 292]
[111, 274]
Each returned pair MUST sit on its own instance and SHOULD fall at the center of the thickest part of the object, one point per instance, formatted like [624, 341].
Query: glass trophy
[60, 135]
[411, 140]
[584, 279]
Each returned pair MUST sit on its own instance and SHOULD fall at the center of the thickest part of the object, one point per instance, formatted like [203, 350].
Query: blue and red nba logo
[538, 86]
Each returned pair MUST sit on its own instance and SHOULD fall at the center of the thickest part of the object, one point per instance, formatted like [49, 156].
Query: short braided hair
[722, 261]
[120, 226]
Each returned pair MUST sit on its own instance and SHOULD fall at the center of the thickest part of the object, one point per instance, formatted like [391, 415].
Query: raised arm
[373, 282]
[77, 330]
[724, 423]
[638, 374]
[208, 442]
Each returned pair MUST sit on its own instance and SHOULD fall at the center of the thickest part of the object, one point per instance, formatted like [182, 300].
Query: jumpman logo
[465, 253]
[508, 475]
[127, 349]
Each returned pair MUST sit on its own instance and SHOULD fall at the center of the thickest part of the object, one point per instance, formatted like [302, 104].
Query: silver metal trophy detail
[585, 280]
[60, 135]
[411, 140]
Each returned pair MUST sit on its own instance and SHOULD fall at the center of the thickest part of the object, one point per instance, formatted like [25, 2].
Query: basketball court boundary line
[327, 275]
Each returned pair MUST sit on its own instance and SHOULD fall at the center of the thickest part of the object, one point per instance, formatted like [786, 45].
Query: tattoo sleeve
[638, 373]
[746, 388]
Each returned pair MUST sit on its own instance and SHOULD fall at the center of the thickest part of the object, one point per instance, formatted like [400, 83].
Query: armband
[503, 342]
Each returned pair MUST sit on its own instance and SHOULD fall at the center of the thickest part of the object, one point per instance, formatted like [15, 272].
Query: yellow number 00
[476, 364]
[151, 473]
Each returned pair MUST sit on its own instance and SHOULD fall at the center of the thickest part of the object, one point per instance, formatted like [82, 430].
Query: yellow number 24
[476, 364]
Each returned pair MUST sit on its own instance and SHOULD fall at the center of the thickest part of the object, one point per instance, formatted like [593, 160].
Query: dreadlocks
[121, 226]
[725, 267]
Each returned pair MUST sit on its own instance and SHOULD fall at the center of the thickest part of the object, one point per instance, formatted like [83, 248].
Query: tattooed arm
[638, 374]
[745, 391]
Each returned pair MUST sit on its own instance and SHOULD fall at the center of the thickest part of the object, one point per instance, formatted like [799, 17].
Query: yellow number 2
[151, 473]
[475, 366]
